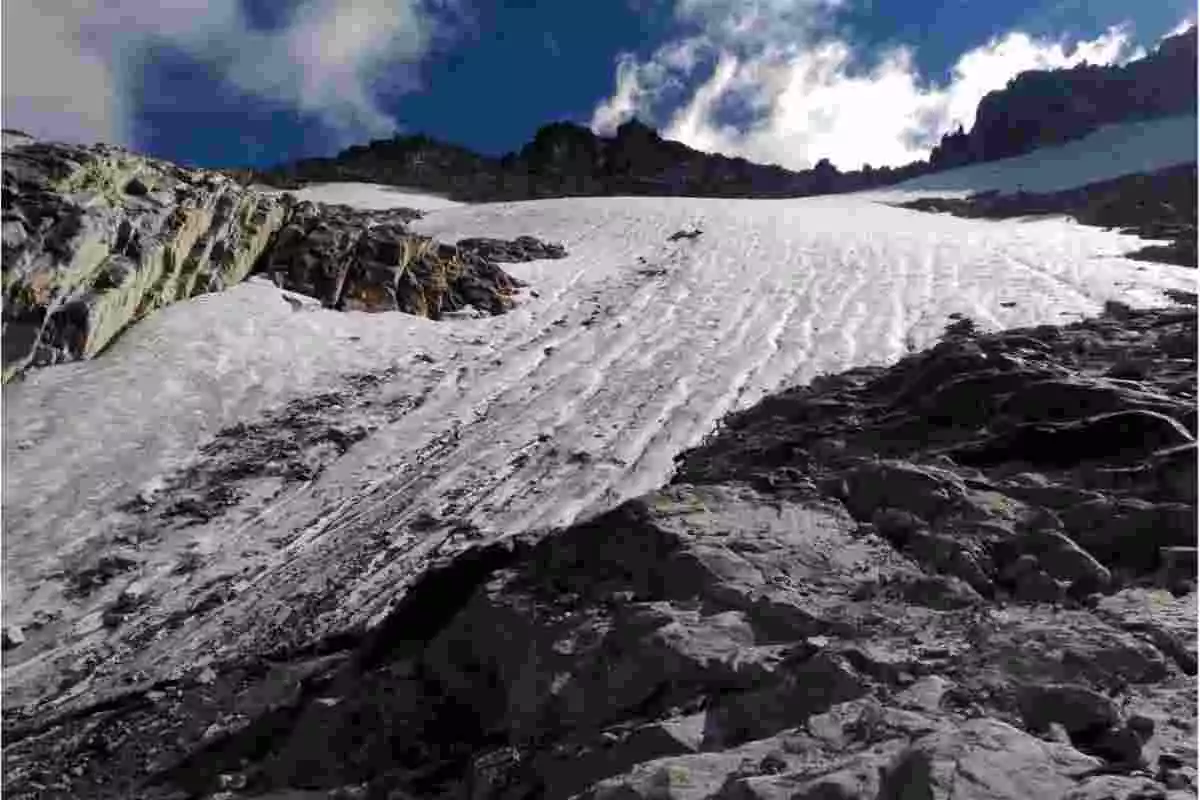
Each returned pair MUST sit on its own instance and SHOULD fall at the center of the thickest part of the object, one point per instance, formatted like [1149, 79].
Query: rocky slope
[95, 238]
[967, 575]
[1037, 108]
[1159, 205]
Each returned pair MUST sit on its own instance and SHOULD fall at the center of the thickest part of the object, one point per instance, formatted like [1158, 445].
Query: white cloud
[71, 67]
[809, 95]
[625, 100]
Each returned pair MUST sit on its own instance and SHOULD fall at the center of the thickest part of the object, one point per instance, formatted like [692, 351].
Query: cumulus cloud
[807, 92]
[72, 67]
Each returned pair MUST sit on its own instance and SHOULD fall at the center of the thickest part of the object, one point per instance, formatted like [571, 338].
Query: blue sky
[223, 82]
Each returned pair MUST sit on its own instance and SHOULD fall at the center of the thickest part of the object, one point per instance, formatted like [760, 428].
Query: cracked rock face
[838, 596]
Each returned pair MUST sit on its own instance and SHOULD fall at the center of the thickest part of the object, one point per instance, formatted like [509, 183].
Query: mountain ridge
[565, 159]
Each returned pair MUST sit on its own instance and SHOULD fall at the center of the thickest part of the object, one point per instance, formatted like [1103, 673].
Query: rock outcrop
[1158, 205]
[369, 261]
[965, 575]
[95, 238]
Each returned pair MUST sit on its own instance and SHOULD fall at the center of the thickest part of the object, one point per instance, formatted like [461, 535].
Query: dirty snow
[633, 347]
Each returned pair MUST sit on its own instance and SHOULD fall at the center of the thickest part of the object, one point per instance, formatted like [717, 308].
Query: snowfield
[624, 353]
[367, 196]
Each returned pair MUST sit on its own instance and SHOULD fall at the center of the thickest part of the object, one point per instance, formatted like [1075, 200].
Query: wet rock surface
[868, 587]
[1158, 205]
[96, 238]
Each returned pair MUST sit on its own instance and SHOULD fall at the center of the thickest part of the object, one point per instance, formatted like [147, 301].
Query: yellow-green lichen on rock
[119, 236]
[108, 176]
[113, 310]
[262, 220]
[115, 236]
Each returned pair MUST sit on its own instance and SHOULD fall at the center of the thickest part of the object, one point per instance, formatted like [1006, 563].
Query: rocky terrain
[1159, 205]
[564, 159]
[971, 574]
[95, 238]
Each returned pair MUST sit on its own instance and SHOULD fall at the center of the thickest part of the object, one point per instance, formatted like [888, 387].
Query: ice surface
[633, 347]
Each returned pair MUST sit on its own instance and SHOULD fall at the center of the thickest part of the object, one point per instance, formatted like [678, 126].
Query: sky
[258, 82]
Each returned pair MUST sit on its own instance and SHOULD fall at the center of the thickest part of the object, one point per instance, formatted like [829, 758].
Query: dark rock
[1121, 746]
[136, 187]
[12, 637]
[1178, 563]
[521, 249]
[89, 248]
[1084, 713]
[369, 262]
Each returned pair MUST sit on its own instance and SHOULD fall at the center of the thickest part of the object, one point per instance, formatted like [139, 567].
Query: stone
[1002, 761]
[923, 491]
[1061, 558]
[1081, 711]
[362, 261]
[70, 293]
[1103, 787]
[12, 637]
[1120, 746]
[1178, 563]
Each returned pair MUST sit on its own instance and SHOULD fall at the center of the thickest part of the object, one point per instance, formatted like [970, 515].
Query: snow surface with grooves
[576, 400]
